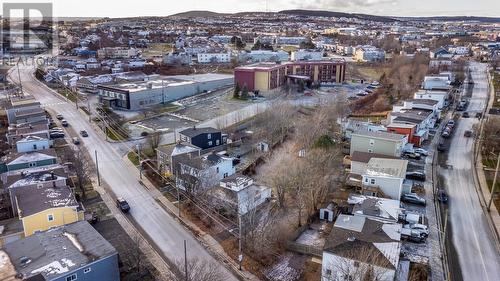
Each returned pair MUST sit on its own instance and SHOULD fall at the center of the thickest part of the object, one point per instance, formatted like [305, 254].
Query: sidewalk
[204, 238]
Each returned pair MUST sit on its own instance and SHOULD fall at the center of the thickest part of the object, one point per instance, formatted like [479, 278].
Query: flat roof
[57, 251]
[386, 167]
[32, 200]
[378, 134]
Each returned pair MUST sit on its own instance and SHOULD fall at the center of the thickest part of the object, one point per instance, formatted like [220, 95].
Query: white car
[421, 228]
[422, 151]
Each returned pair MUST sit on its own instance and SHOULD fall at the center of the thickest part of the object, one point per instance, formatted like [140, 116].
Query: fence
[293, 246]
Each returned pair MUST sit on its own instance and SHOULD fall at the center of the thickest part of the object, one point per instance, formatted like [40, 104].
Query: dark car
[413, 198]
[76, 141]
[468, 134]
[122, 204]
[59, 117]
[415, 176]
[56, 135]
[441, 146]
[465, 114]
[64, 123]
[442, 196]
[84, 133]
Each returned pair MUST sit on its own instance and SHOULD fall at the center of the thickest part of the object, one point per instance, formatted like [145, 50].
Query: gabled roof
[32, 200]
[379, 135]
[57, 251]
[365, 240]
[21, 158]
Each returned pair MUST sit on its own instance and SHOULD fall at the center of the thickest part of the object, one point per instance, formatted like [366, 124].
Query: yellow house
[40, 209]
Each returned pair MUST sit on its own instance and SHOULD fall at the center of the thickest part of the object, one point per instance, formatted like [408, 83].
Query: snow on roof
[386, 168]
[31, 157]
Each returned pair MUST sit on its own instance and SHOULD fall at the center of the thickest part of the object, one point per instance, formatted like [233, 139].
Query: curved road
[166, 232]
[472, 237]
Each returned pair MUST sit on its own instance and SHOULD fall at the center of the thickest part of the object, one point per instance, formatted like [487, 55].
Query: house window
[50, 217]
[210, 143]
[372, 181]
[87, 270]
[209, 136]
[34, 147]
[217, 170]
[71, 277]
[370, 150]
[217, 142]
[32, 164]
[225, 175]
[366, 179]
[372, 142]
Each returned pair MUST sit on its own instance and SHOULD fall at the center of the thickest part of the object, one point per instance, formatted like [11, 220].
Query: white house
[369, 53]
[307, 55]
[438, 82]
[360, 159]
[359, 248]
[33, 143]
[378, 142]
[384, 176]
[241, 193]
[214, 57]
[381, 209]
[440, 96]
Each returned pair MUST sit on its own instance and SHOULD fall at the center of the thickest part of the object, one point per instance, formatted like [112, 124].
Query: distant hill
[453, 18]
[199, 14]
[315, 13]
[318, 13]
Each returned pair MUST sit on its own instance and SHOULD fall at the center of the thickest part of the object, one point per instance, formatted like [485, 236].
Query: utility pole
[97, 169]
[240, 256]
[139, 155]
[88, 107]
[494, 183]
[178, 197]
[19, 77]
[185, 261]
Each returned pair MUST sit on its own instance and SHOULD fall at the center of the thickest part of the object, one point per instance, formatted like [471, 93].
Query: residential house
[204, 138]
[16, 161]
[20, 104]
[214, 57]
[43, 208]
[33, 143]
[375, 208]
[385, 178]
[437, 82]
[359, 248]
[440, 96]
[378, 142]
[72, 252]
[440, 53]
[21, 131]
[165, 154]
[307, 55]
[369, 53]
[360, 159]
[116, 53]
[353, 125]
[195, 174]
[240, 194]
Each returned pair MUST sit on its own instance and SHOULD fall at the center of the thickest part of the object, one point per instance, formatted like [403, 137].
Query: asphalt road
[166, 232]
[472, 236]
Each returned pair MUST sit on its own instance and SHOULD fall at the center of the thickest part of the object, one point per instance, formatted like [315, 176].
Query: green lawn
[133, 158]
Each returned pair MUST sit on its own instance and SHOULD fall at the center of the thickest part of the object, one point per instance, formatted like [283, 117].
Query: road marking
[55, 103]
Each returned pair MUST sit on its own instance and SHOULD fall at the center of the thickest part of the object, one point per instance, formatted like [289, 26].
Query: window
[217, 170]
[372, 181]
[370, 150]
[87, 270]
[209, 136]
[217, 142]
[225, 175]
[50, 217]
[372, 142]
[71, 277]
[32, 164]
[210, 143]
[366, 179]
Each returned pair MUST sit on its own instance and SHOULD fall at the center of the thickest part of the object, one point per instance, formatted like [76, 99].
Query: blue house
[203, 138]
[68, 253]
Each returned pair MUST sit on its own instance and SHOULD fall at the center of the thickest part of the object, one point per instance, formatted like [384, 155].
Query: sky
[130, 8]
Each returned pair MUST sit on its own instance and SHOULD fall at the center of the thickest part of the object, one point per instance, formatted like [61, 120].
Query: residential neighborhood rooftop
[387, 167]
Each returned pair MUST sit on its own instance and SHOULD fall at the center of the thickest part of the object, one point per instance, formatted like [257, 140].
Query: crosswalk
[54, 103]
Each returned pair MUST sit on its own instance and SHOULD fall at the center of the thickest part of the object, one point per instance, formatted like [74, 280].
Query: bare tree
[81, 166]
[198, 270]
[154, 140]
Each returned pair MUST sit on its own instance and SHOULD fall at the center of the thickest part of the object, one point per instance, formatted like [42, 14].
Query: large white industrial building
[164, 89]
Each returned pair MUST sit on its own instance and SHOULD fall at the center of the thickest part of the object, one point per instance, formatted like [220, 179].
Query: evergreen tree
[236, 93]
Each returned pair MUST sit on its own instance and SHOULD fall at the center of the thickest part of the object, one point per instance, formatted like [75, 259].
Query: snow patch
[71, 237]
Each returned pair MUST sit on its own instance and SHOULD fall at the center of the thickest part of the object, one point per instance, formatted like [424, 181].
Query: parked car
[64, 123]
[421, 229]
[465, 114]
[413, 155]
[76, 141]
[84, 133]
[451, 122]
[122, 204]
[412, 235]
[59, 117]
[415, 176]
[468, 134]
[479, 115]
[441, 147]
[422, 151]
[413, 198]
[56, 135]
[446, 133]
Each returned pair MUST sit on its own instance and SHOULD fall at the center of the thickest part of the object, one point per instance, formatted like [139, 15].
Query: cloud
[339, 4]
